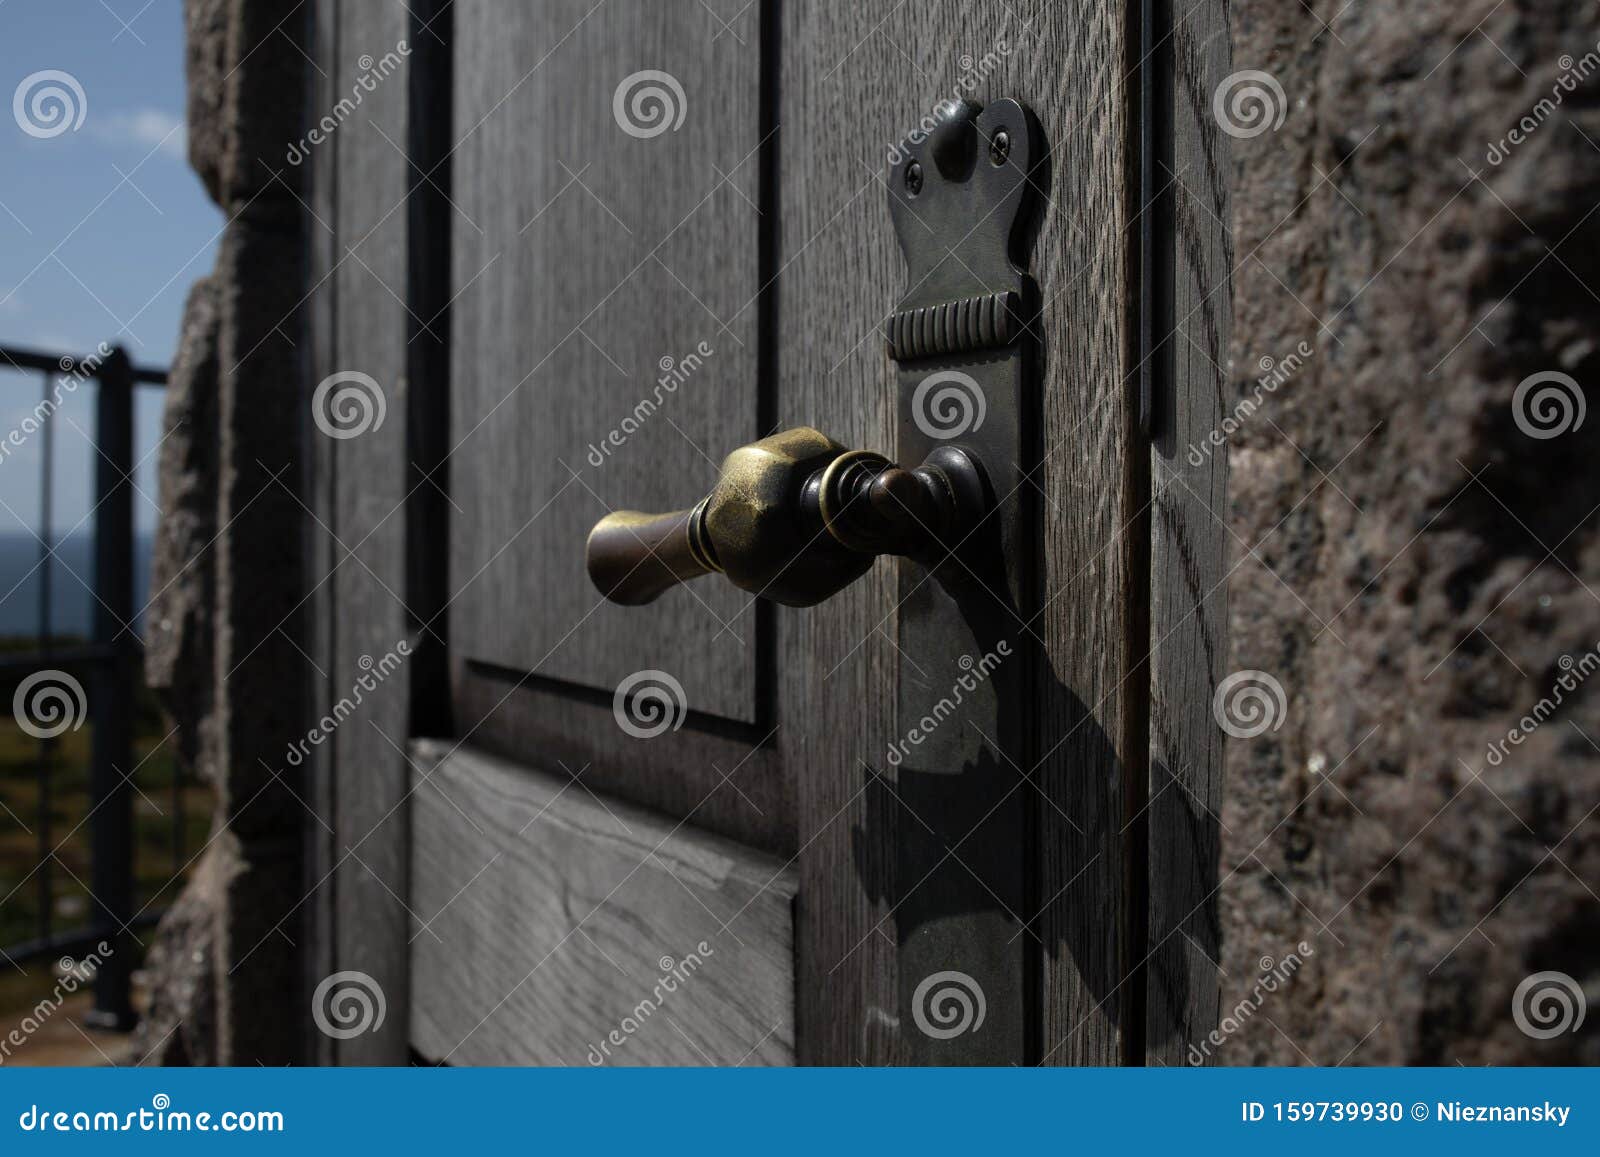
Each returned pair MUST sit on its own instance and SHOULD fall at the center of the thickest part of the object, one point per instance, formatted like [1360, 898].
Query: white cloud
[147, 128]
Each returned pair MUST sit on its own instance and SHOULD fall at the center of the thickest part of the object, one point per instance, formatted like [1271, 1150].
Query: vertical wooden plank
[111, 762]
[1188, 612]
[371, 853]
[1096, 550]
[319, 488]
[852, 83]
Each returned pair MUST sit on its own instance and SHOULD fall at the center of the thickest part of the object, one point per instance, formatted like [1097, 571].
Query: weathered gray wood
[841, 105]
[547, 917]
[367, 533]
[1188, 611]
[550, 254]
[587, 259]
[321, 496]
[854, 80]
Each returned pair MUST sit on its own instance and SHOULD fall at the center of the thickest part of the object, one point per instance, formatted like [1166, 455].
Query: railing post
[111, 700]
[45, 764]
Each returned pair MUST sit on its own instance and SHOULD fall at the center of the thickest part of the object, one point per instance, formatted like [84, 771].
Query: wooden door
[580, 251]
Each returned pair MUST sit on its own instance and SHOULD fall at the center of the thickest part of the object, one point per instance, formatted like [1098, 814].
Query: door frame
[1163, 608]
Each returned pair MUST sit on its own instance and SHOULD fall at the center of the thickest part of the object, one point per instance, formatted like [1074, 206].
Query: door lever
[794, 518]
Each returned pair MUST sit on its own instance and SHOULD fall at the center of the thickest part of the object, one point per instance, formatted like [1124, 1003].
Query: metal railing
[111, 660]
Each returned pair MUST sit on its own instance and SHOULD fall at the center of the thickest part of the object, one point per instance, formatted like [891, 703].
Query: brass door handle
[793, 518]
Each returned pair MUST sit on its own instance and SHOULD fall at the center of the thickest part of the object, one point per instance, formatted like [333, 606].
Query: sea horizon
[71, 579]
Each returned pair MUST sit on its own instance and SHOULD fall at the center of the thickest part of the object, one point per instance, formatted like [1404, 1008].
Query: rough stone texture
[260, 673]
[179, 652]
[1417, 600]
[206, 43]
[180, 1025]
[244, 103]
[263, 100]
[222, 646]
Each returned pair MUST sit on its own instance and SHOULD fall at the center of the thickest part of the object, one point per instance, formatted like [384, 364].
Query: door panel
[554, 928]
[604, 337]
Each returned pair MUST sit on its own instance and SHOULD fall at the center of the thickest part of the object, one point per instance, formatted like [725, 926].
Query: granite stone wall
[1423, 578]
[224, 648]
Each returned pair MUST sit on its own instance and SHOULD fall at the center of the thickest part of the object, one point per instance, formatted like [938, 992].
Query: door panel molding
[727, 779]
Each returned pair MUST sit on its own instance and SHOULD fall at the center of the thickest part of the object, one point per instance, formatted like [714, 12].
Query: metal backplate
[964, 200]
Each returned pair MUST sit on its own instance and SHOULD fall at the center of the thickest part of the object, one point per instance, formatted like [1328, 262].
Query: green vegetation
[161, 845]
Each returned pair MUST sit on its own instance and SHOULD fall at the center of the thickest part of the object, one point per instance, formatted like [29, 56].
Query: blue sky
[103, 228]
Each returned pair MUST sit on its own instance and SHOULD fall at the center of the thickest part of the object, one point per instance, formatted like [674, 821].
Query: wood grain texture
[1095, 539]
[849, 82]
[557, 927]
[1188, 607]
[840, 274]
[606, 283]
[367, 533]
[854, 81]
[321, 911]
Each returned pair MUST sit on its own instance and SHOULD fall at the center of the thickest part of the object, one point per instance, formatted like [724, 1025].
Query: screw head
[914, 178]
[1000, 147]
